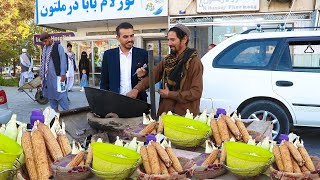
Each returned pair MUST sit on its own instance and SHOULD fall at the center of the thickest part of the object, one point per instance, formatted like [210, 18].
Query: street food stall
[120, 140]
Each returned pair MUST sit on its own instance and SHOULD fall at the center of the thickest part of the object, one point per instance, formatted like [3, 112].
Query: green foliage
[14, 28]
[9, 82]
[14, 14]
[17, 28]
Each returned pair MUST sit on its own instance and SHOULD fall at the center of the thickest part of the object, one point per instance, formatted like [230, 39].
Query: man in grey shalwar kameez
[53, 65]
[26, 64]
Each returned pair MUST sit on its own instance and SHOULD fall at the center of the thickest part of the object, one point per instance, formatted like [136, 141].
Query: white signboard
[227, 5]
[64, 11]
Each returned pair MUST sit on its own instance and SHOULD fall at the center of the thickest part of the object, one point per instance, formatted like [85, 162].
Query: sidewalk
[22, 105]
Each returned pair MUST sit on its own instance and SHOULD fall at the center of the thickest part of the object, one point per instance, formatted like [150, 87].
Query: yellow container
[247, 160]
[185, 132]
[9, 151]
[113, 162]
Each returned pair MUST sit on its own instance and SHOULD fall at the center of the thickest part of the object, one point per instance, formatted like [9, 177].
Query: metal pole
[160, 51]
[92, 64]
[195, 37]
[151, 84]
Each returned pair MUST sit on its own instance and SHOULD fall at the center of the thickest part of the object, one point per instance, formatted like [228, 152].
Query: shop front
[214, 29]
[214, 23]
[95, 46]
[94, 24]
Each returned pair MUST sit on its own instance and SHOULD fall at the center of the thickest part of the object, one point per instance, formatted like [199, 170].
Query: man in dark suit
[122, 67]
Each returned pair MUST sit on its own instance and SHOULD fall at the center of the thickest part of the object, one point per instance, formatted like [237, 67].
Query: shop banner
[64, 11]
[56, 37]
[204, 6]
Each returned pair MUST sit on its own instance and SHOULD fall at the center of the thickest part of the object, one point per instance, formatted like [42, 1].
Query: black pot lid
[103, 102]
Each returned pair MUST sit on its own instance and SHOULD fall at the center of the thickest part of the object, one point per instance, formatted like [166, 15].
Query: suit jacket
[110, 70]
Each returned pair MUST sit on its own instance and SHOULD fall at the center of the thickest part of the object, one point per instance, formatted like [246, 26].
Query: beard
[174, 49]
[173, 52]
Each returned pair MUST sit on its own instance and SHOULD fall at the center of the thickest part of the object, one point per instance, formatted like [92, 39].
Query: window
[305, 55]
[249, 53]
[285, 61]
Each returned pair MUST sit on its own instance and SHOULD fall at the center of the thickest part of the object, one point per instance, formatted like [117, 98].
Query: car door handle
[284, 83]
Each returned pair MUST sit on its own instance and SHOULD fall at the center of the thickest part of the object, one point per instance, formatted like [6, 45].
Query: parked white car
[5, 113]
[272, 76]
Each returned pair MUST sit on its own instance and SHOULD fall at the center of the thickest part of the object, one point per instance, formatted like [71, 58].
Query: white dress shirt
[125, 72]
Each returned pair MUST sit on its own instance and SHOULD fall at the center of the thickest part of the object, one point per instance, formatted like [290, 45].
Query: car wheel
[268, 111]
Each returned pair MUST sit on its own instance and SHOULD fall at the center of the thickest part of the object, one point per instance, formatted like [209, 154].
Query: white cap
[24, 50]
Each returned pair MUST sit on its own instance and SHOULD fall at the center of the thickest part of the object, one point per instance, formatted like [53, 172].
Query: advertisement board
[56, 37]
[204, 6]
[64, 11]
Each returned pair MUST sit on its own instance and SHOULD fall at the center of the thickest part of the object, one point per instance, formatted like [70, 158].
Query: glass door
[99, 47]
[86, 46]
[159, 47]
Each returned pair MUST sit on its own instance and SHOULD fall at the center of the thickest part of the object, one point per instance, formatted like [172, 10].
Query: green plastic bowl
[247, 160]
[248, 172]
[111, 159]
[185, 132]
[10, 150]
[115, 175]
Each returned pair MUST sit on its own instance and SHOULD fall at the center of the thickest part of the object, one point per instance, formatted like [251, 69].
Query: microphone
[144, 67]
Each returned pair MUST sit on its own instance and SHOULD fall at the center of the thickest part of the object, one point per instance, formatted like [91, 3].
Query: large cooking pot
[103, 102]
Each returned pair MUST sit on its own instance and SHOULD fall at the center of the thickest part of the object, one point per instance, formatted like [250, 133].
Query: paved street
[22, 105]
[311, 139]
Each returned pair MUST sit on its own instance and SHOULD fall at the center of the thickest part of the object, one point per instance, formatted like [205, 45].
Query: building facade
[94, 23]
[210, 21]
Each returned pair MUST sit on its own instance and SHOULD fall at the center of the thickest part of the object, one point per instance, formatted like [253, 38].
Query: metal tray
[102, 102]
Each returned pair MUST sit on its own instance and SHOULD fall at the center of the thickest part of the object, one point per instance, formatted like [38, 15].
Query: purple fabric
[36, 112]
[283, 137]
[221, 111]
[150, 137]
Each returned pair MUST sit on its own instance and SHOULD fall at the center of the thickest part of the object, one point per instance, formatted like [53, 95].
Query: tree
[14, 16]
[17, 28]
[14, 27]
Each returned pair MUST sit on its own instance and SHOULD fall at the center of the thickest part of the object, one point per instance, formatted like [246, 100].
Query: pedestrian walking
[26, 64]
[84, 80]
[53, 68]
[211, 46]
[71, 67]
[84, 64]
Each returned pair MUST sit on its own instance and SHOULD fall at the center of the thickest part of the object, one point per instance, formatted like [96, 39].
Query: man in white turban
[26, 64]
